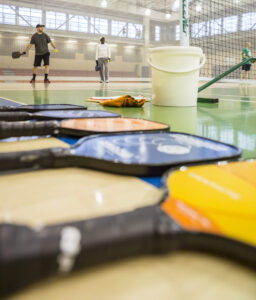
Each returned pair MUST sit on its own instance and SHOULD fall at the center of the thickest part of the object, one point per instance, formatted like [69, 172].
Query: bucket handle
[178, 72]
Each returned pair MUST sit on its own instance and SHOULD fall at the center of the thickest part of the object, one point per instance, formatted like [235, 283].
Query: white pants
[103, 63]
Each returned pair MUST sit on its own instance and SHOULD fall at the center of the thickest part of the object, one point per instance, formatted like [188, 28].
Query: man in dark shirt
[41, 41]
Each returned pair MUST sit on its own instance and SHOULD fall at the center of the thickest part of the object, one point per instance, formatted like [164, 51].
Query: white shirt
[103, 50]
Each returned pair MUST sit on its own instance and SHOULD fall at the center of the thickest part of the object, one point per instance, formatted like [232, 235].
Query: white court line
[125, 91]
[239, 100]
[233, 96]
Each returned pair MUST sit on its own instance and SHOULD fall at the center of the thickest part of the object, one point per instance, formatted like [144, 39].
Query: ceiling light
[71, 41]
[176, 5]
[92, 43]
[113, 45]
[104, 3]
[198, 7]
[148, 12]
[130, 46]
[167, 16]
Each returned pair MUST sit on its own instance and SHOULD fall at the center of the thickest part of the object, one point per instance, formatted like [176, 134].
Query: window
[200, 29]
[135, 31]
[119, 28]
[98, 25]
[249, 21]
[7, 14]
[78, 23]
[177, 32]
[157, 33]
[29, 16]
[56, 20]
[216, 26]
[230, 24]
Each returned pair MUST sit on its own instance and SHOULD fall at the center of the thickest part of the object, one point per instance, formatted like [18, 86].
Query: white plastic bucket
[175, 75]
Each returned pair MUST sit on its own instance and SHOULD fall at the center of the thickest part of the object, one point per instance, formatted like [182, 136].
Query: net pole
[184, 26]
[252, 59]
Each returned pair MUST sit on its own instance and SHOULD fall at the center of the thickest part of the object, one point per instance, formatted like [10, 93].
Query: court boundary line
[239, 100]
[124, 91]
[234, 96]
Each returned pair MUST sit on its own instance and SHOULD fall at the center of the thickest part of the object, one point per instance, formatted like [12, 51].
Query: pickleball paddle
[209, 208]
[26, 143]
[56, 115]
[78, 127]
[220, 197]
[17, 54]
[137, 154]
[40, 107]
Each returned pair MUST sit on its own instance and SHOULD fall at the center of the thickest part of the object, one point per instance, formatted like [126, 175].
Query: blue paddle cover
[154, 148]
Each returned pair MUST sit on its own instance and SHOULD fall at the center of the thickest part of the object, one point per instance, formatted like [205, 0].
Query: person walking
[41, 41]
[246, 53]
[103, 57]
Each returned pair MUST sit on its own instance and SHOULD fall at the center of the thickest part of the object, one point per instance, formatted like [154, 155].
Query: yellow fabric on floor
[124, 101]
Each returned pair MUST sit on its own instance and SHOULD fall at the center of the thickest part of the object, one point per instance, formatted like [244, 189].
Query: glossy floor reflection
[232, 120]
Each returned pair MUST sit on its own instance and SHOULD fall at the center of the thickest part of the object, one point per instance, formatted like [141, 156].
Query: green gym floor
[232, 120]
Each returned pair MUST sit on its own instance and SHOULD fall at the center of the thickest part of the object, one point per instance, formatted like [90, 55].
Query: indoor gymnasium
[127, 149]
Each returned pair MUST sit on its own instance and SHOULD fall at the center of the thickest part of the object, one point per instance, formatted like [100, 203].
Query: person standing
[103, 57]
[41, 41]
[246, 67]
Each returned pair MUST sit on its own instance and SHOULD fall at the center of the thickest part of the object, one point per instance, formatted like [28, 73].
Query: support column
[146, 23]
[184, 26]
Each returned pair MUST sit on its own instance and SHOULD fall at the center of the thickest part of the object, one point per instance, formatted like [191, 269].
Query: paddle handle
[17, 129]
[61, 248]
[35, 108]
[45, 158]
[8, 108]
[15, 116]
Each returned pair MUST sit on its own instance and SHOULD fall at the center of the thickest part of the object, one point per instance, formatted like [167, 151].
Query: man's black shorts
[246, 67]
[38, 59]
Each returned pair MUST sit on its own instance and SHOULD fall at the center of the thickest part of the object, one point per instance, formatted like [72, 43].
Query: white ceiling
[121, 8]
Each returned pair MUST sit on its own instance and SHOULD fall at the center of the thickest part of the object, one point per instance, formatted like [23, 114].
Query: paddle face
[154, 149]
[73, 114]
[217, 199]
[111, 125]
[16, 54]
[28, 143]
[6, 102]
[104, 194]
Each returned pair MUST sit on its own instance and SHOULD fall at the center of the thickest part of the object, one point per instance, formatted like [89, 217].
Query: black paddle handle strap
[36, 108]
[17, 129]
[8, 108]
[14, 116]
[62, 248]
[46, 158]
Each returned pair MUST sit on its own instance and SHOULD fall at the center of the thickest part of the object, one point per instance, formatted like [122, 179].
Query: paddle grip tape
[36, 108]
[57, 249]
[17, 129]
[45, 158]
[15, 116]
[7, 108]
[30, 254]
